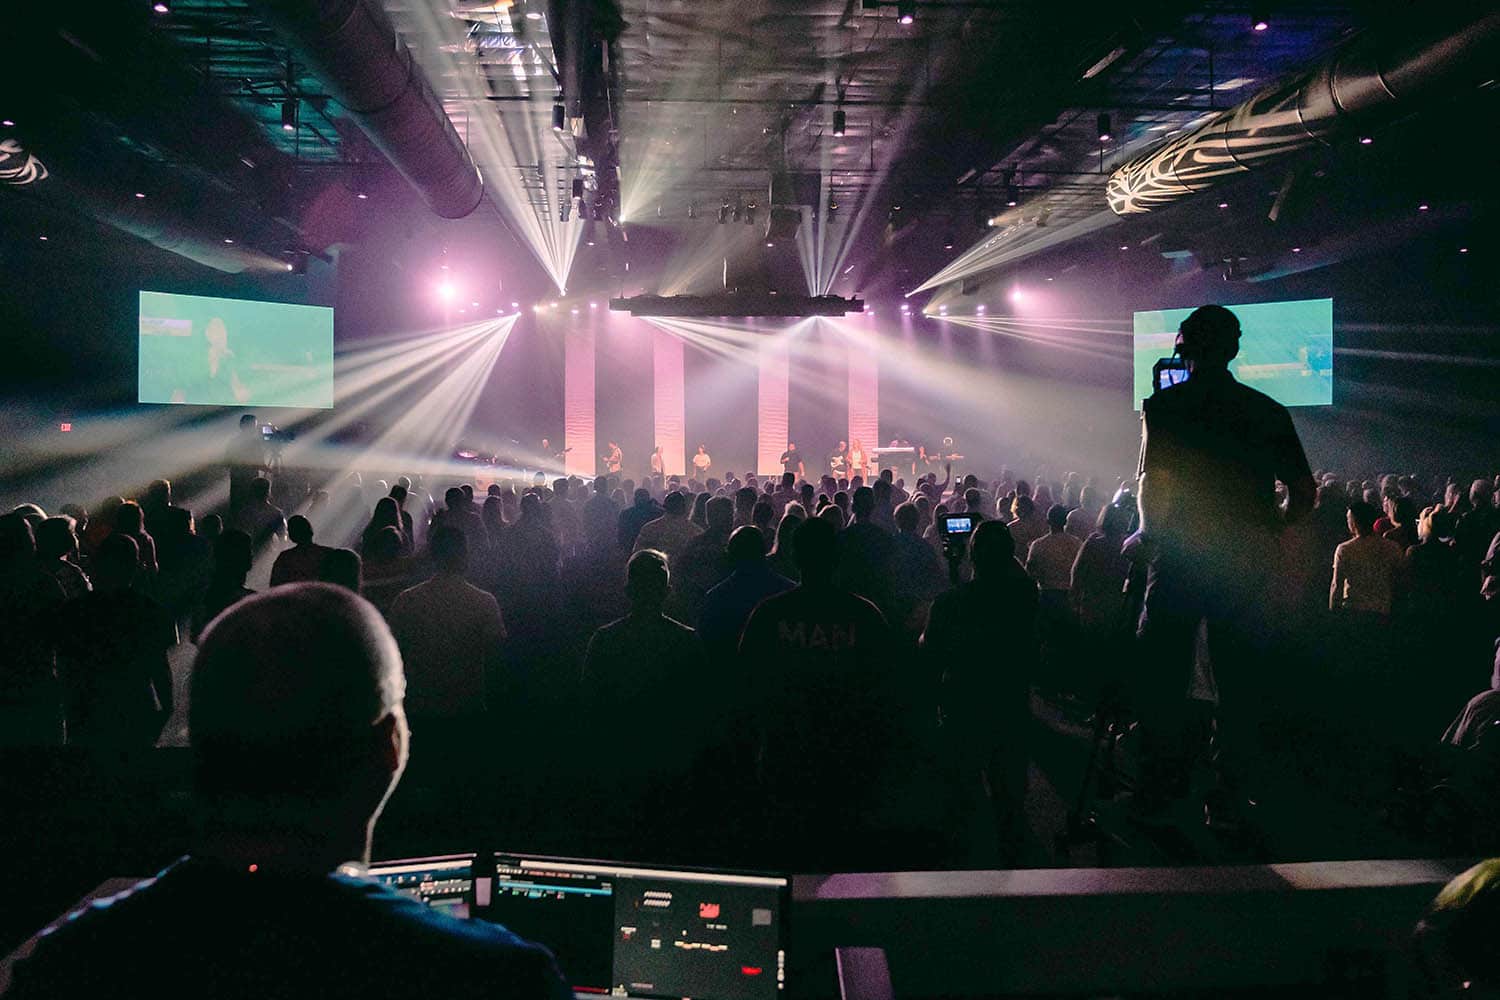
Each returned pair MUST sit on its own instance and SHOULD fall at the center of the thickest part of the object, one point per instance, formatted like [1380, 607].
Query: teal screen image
[234, 352]
[1286, 349]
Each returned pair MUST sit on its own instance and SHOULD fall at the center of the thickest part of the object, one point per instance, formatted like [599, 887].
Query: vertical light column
[578, 400]
[771, 419]
[864, 398]
[671, 422]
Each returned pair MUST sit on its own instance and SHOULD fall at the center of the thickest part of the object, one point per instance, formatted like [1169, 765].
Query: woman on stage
[702, 462]
[857, 459]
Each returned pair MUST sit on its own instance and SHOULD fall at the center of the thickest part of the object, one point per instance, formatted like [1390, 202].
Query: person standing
[1212, 452]
[658, 463]
[614, 458]
[791, 460]
[702, 461]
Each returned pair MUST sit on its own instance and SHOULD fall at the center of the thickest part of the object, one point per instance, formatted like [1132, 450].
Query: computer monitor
[621, 930]
[446, 883]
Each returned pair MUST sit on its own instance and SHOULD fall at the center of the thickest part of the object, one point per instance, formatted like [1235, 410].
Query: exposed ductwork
[1365, 84]
[352, 46]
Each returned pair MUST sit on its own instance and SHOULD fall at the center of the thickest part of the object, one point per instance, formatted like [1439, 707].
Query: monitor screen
[234, 352]
[445, 883]
[648, 932]
[616, 929]
[1286, 349]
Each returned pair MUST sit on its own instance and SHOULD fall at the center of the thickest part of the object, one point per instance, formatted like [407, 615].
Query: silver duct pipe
[353, 48]
[1365, 84]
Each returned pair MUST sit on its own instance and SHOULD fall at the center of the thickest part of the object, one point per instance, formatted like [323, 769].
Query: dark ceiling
[972, 105]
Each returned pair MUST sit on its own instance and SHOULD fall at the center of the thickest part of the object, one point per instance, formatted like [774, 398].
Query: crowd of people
[824, 638]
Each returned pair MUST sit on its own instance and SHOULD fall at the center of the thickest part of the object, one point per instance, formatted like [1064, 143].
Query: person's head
[450, 550]
[806, 494]
[744, 502]
[990, 547]
[719, 512]
[386, 514]
[791, 446]
[399, 493]
[158, 494]
[1057, 518]
[763, 514]
[887, 476]
[128, 518]
[747, 547]
[116, 562]
[281, 750]
[468, 491]
[299, 529]
[1209, 338]
[1480, 492]
[260, 489]
[211, 527]
[843, 445]
[788, 480]
[1114, 520]
[699, 512]
[531, 507]
[560, 488]
[642, 497]
[906, 516]
[817, 550]
[1362, 518]
[786, 528]
[79, 515]
[882, 490]
[1456, 937]
[863, 503]
[675, 504]
[55, 539]
[343, 568]
[647, 581]
[973, 498]
[233, 554]
[1401, 510]
[247, 422]
[454, 498]
[1022, 507]
[833, 514]
[1089, 499]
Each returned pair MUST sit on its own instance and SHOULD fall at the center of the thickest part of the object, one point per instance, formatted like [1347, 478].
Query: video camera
[275, 436]
[1168, 371]
[955, 530]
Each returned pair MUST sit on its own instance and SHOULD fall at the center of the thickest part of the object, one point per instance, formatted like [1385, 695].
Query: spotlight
[289, 115]
[906, 11]
[362, 196]
[1296, 249]
[533, 15]
[593, 305]
[8, 123]
[905, 307]
[42, 238]
[838, 121]
[770, 244]
[515, 305]
[1124, 246]
[1460, 249]
[474, 304]
[573, 311]
[161, 7]
[1012, 196]
[1104, 129]
[1223, 204]
[140, 194]
[228, 240]
[1366, 140]
[1258, 20]
[979, 309]
[559, 117]
[1016, 295]
[948, 242]
[446, 291]
[1423, 207]
[942, 310]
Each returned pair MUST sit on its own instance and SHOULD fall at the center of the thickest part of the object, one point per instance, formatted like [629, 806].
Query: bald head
[289, 689]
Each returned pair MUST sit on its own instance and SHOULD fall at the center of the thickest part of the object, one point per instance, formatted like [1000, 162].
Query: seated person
[299, 737]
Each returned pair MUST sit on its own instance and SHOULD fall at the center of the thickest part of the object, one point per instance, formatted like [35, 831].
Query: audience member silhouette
[112, 646]
[303, 562]
[57, 555]
[298, 746]
[449, 632]
[233, 556]
[727, 606]
[30, 705]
